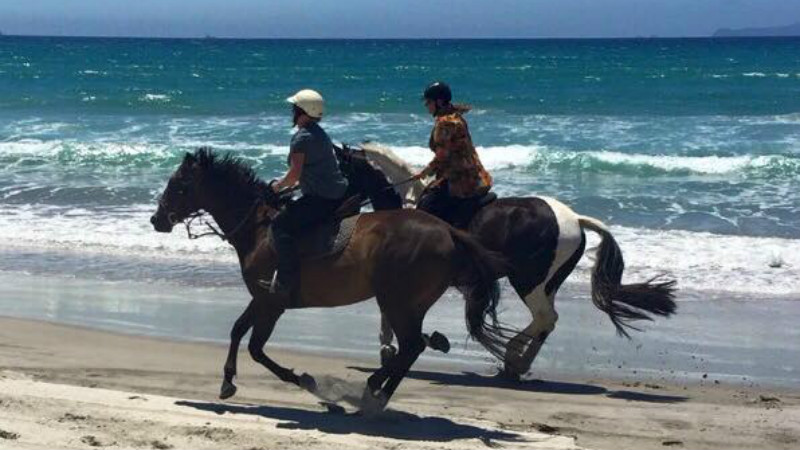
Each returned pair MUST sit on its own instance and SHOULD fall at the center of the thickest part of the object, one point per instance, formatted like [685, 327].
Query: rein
[391, 186]
[214, 231]
[346, 154]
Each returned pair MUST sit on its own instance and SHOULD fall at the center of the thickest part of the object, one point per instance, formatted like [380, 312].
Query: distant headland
[783, 31]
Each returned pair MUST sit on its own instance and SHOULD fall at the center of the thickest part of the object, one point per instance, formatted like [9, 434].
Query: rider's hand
[274, 186]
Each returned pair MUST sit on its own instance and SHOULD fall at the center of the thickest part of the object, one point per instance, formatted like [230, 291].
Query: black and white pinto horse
[543, 240]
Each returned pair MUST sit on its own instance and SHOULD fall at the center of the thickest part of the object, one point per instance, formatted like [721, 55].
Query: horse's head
[181, 196]
[222, 185]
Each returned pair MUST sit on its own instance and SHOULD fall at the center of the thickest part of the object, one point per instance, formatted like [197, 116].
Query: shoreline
[601, 413]
[744, 343]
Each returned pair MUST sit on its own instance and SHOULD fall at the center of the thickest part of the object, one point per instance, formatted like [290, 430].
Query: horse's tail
[477, 282]
[624, 303]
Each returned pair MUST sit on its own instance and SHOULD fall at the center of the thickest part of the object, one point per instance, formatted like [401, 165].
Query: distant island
[788, 30]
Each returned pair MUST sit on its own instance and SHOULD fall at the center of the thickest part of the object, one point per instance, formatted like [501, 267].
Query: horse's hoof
[307, 382]
[439, 342]
[227, 390]
[333, 408]
[373, 402]
[387, 353]
[509, 374]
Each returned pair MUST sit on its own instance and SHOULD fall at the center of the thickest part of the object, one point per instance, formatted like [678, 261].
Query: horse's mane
[227, 169]
[387, 153]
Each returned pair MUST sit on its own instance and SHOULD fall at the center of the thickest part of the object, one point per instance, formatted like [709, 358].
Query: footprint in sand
[8, 435]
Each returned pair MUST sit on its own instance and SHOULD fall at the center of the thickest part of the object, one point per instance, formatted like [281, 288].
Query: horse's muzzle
[161, 223]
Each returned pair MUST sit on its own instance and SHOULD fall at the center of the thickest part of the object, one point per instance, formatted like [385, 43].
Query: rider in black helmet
[460, 179]
[438, 91]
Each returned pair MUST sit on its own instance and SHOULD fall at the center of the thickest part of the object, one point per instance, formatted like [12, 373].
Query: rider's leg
[284, 227]
[298, 216]
[438, 202]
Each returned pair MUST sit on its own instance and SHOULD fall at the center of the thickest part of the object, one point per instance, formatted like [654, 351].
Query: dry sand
[68, 387]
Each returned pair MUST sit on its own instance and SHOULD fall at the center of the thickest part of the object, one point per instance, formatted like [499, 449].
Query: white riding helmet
[309, 101]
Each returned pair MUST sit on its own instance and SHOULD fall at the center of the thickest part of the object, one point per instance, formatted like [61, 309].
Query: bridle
[202, 216]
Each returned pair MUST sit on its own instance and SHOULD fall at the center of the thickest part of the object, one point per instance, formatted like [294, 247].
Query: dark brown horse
[431, 255]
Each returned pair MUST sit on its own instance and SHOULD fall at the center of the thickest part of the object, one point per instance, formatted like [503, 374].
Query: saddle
[327, 239]
[468, 208]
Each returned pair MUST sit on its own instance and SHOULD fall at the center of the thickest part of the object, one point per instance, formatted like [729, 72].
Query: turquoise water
[690, 149]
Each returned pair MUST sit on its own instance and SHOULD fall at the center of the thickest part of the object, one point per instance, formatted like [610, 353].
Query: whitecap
[543, 158]
[156, 98]
[754, 74]
[493, 158]
[699, 260]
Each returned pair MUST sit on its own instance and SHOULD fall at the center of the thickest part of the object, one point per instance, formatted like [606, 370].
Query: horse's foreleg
[240, 327]
[262, 330]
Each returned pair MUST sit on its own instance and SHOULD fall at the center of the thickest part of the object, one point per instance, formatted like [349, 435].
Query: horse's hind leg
[411, 344]
[388, 351]
[523, 348]
[544, 322]
[408, 327]
[436, 341]
[541, 302]
[240, 327]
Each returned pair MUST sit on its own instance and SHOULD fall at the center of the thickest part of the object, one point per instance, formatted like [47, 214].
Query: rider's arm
[440, 156]
[444, 132]
[291, 178]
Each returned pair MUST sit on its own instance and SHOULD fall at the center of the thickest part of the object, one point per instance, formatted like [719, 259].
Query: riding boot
[288, 277]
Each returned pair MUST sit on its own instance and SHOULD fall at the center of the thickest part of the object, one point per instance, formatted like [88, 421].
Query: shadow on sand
[472, 379]
[391, 423]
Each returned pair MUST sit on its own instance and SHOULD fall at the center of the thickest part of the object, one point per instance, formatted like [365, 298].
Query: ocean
[688, 148]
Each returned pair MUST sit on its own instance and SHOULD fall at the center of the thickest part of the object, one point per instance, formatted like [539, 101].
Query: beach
[72, 387]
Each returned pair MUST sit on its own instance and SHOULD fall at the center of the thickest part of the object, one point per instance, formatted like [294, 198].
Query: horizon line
[284, 38]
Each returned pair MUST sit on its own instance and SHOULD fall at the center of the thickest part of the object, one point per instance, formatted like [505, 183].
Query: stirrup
[273, 282]
[274, 286]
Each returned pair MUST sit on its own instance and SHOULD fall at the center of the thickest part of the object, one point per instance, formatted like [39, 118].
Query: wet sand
[713, 337]
[70, 387]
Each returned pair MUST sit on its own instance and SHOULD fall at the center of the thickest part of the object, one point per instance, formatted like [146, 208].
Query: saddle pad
[325, 240]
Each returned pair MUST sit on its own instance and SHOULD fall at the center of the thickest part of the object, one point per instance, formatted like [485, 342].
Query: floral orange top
[456, 160]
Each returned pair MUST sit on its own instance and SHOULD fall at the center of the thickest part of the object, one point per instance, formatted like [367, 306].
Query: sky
[391, 18]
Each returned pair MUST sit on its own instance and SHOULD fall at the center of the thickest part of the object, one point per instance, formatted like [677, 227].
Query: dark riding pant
[456, 211]
[298, 216]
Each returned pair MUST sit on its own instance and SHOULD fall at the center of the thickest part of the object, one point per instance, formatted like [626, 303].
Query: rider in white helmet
[312, 164]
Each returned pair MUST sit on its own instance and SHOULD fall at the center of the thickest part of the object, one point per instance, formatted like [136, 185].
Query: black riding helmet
[438, 91]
